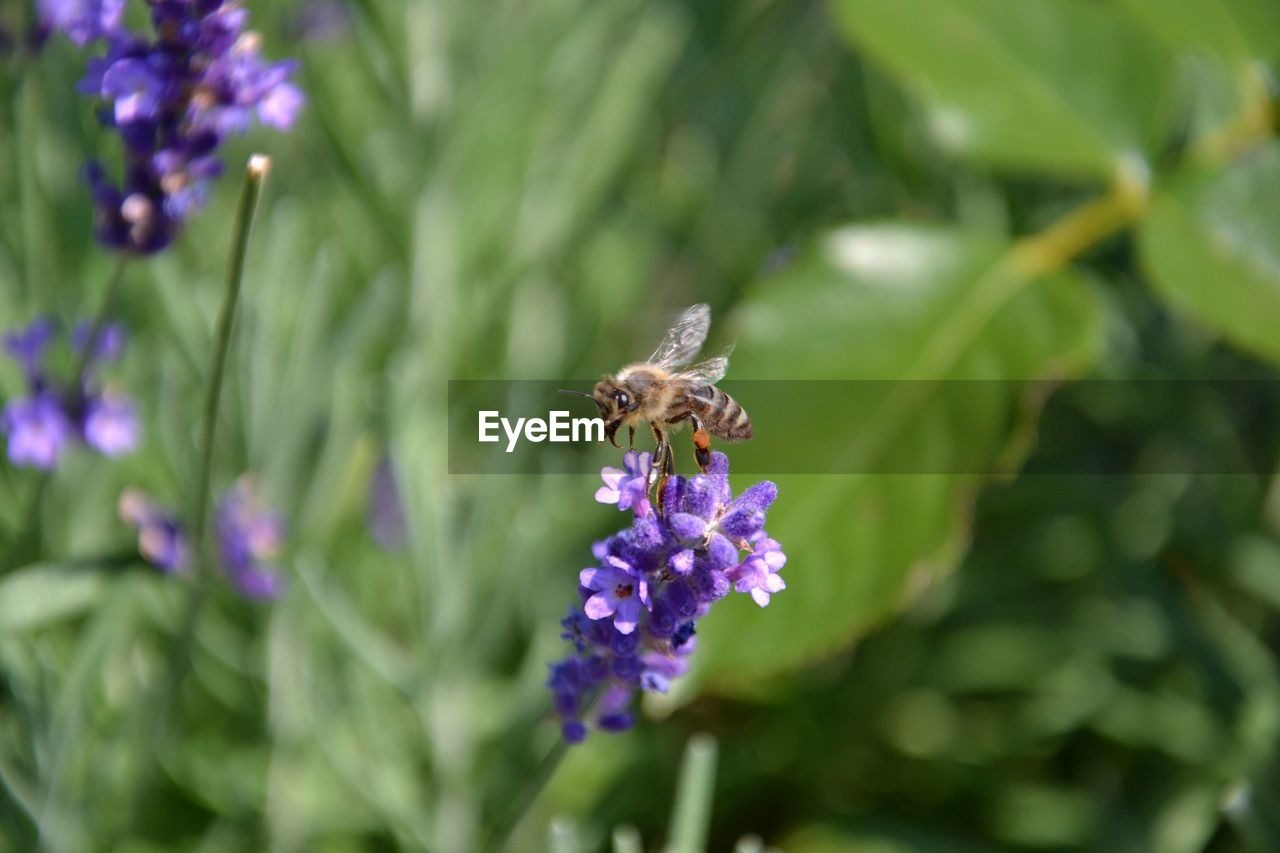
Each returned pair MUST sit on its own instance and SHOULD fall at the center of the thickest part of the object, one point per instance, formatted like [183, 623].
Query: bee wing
[684, 339]
[706, 372]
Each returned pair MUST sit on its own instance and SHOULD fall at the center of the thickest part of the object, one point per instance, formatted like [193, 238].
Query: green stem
[245, 210]
[100, 321]
[501, 833]
[181, 651]
[248, 205]
[155, 726]
[694, 794]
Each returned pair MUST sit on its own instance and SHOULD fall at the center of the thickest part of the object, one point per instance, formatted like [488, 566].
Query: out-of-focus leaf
[1187, 821]
[1255, 567]
[38, 595]
[1054, 85]
[1211, 246]
[900, 305]
[1235, 29]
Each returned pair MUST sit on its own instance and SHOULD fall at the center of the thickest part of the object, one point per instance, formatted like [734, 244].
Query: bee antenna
[576, 393]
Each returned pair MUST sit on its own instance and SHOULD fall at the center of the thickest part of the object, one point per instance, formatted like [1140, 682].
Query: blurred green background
[861, 189]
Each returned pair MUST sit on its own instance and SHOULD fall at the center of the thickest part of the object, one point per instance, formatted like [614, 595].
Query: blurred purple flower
[110, 345]
[110, 425]
[635, 628]
[249, 536]
[38, 431]
[41, 424]
[82, 21]
[161, 539]
[173, 95]
[26, 346]
[386, 511]
[321, 21]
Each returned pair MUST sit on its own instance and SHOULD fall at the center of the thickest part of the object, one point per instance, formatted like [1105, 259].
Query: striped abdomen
[721, 415]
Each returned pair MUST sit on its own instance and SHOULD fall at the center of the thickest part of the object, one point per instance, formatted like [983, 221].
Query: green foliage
[1053, 86]
[925, 307]
[1210, 245]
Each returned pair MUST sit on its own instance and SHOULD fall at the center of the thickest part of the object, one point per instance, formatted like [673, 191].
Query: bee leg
[659, 451]
[658, 468]
[701, 444]
[631, 438]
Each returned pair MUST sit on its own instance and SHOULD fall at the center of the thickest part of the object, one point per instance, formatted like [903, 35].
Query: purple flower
[619, 592]
[322, 21]
[636, 627]
[110, 425]
[38, 430]
[627, 488]
[82, 21]
[135, 89]
[280, 105]
[161, 539]
[385, 516]
[174, 94]
[27, 345]
[249, 536]
[111, 340]
[758, 573]
[52, 415]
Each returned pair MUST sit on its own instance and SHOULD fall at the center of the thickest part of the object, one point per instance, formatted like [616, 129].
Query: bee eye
[621, 398]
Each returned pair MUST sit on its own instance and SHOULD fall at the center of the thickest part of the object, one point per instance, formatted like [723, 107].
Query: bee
[669, 390]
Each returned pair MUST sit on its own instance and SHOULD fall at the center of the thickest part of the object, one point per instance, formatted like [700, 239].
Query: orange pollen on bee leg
[701, 439]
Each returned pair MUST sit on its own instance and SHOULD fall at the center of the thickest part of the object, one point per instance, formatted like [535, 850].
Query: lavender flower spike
[635, 628]
[173, 93]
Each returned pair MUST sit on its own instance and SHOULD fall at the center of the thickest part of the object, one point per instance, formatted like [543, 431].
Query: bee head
[615, 401]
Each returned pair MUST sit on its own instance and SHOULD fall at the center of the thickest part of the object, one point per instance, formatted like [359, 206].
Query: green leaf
[1241, 30]
[35, 596]
[897, 306]
[1211, 247]
[1039, 85]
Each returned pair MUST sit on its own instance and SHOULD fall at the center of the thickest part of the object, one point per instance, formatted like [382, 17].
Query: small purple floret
[135, 90]
[620, 592]
[627, 487]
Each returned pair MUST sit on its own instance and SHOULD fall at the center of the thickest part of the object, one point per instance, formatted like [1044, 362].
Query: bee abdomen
[721, 415]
